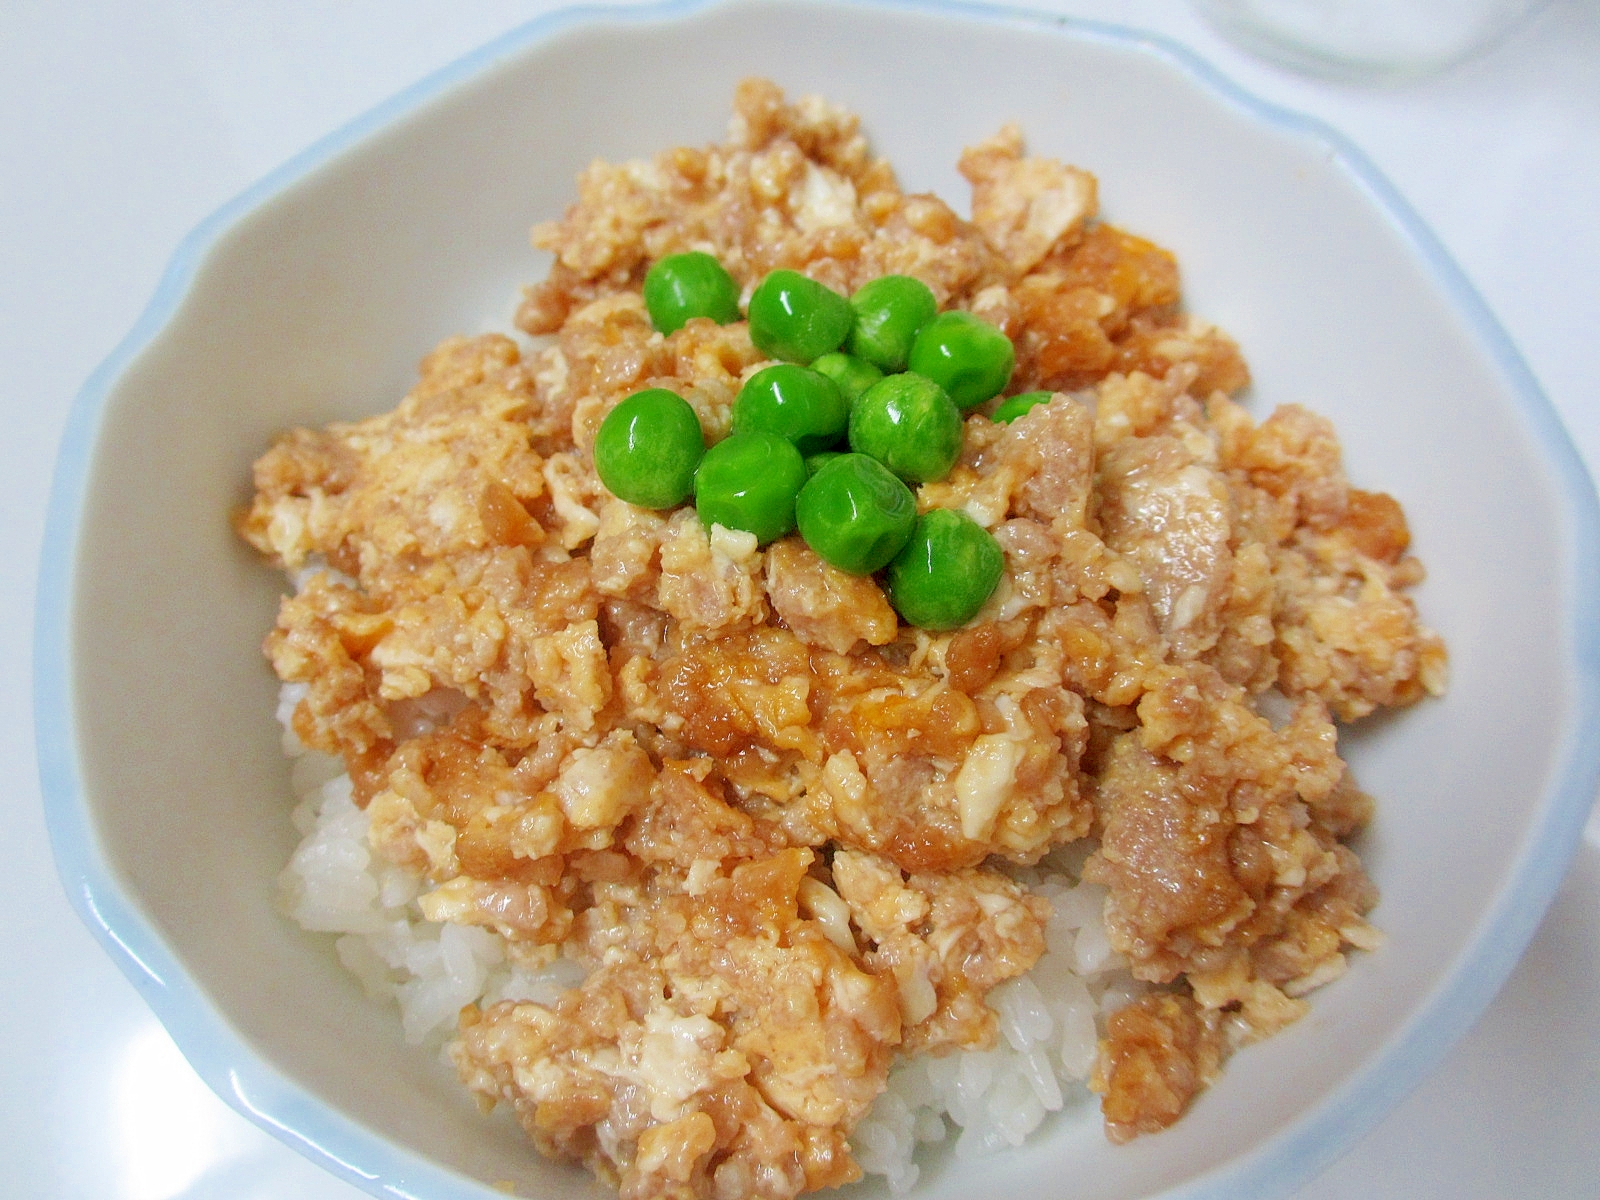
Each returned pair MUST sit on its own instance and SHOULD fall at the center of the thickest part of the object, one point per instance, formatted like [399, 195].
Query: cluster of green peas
[867, 400]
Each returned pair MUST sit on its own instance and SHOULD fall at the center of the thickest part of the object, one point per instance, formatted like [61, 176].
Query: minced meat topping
[772, 822]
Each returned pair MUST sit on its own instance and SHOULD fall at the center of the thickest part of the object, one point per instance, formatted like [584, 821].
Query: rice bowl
[316, 1065]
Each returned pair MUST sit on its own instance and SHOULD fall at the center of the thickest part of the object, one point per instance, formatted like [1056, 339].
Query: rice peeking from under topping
[725, 880]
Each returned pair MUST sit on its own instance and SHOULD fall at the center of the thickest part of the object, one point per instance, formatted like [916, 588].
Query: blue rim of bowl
[380, 1167]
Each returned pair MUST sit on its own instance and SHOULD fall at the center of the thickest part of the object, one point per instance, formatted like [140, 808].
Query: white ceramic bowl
[311, 298]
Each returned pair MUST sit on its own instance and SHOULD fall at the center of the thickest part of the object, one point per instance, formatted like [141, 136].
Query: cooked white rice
[977, 1101]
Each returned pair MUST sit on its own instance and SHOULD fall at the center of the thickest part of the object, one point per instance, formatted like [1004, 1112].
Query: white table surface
[122, 124]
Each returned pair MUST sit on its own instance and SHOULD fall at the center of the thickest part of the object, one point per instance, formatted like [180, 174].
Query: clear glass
[1371, 41]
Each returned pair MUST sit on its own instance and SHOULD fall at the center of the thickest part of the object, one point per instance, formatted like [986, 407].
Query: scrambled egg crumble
[773, 823]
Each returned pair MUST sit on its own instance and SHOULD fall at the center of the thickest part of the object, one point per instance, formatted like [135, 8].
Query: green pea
[648, 447]
[797, 319]
[749, 481]
[968, 357]
[889, 312]
[815, 462]
[947, 570]
[793, 402]
[855, 513]
[692, 284]
[908, 424]
[1013, 407]
[852, 375]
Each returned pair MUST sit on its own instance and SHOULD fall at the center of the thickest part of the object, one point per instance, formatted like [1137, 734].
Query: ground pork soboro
[772, 823]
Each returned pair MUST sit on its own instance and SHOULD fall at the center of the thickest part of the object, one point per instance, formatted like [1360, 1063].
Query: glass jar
[1368, 41]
